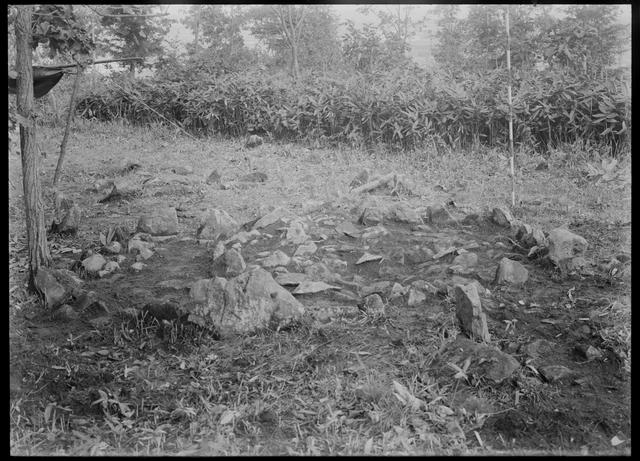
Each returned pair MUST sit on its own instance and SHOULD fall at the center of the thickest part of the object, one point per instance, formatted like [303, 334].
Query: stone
[501, 216]
[371, 216]
[320, 271]
[144, 254]
[588, 352]
[137, 267]
[256, 176]
[539, 348]
[136, 245]
[66, 312]
[111, 266]
[527, 235]
[214, 178]
[457, 280]
[362, 178]
[247, 303]
[53, 292]
[466, 259]
[418, 255]
[484, 360]
[89, 305]
[234, 263]
[120, 259]
[576, 264]
[402, 213]
[443, 288]
[424, 286]
[270, 218]
[511, 272]
[347, 228]
[94, 263]
[291, 278]
[459, 269]
[244, 236]
[306, 249]
[416, 297]
[437, 214]
[160, 221]
[218, 250]
[374, 305]
[554, 373]
[374, 232]
[123, 187]
[70, 222]
[296, 232]
[397, 291]
[469, 312]
[564, 246]
[183, 170]
[113, 248]
[278, 258]
[217, 225]
[335, 264]
[253, 141]
[69, 280]
[100, 322]
[378, 287]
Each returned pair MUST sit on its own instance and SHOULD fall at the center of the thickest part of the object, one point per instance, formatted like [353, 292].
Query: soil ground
[325, 387]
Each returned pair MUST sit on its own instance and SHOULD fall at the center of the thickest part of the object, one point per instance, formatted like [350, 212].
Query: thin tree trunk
[38, 248]
[197, 31]
[63, 145]
[513, 173]
[294, 56]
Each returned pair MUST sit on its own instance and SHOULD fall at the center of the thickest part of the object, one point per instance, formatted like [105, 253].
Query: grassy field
[311, 390]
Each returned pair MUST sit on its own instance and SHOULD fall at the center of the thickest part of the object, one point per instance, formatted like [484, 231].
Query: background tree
[218, 45]
[133, 30]
[398, 25]
[587, 40]
[38, 248]
[280, 27]
[449, 50]
[363, 47]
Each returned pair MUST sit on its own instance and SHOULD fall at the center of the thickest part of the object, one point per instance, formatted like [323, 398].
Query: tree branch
[141, 15]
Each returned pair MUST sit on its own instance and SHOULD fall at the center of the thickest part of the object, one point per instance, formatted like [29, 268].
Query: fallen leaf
[406, 397]
[228, 416]
[615, 441]
[366, 257]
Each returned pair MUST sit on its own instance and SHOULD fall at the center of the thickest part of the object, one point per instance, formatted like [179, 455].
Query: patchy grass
[145, 388]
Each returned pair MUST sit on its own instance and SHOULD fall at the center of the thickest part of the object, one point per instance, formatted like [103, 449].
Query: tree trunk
[196, 39]
[294, 58]
[38, 248]
[63, 145]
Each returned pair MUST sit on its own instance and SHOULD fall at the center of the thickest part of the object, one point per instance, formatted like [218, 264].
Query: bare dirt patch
[324, 387]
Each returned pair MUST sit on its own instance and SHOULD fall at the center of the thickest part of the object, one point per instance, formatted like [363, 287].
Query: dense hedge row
[395, 109]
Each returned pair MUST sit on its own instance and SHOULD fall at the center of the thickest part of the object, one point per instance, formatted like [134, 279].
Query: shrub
[402, 109]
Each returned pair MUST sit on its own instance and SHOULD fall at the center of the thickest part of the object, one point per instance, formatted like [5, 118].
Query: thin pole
[63, 145]
[102, 61]
[512, 156]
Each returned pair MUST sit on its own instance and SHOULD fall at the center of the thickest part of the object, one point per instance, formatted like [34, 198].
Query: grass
[307, 391]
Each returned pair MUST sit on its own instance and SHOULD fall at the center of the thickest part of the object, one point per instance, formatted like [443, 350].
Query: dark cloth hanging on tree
[44, 79]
